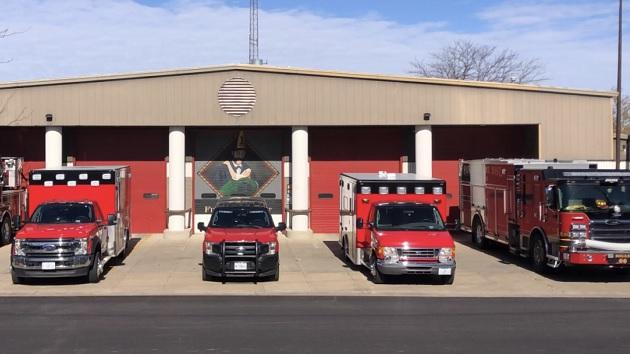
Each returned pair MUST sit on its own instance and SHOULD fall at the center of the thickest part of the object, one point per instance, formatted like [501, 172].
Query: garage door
[143, 149]
[347, 150]
[148, 193]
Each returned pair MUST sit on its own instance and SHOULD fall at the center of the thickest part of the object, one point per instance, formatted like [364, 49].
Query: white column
[299, 177]
[176, 177]
[54, 147]
[424, 151]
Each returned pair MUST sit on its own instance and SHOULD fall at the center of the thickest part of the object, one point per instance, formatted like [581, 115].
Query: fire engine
[393, 225]
[79, 220]
[558, 213]
[12, 198]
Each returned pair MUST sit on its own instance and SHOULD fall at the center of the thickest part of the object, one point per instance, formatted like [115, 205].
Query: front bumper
[597, 258]
[403, 268]
[266, 266]
[30, 267]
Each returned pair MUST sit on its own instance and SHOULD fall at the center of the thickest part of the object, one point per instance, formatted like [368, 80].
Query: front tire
[5, 231]
[276, 275]
[94, 275]
[204, 275]
[539, 256]
[478, 235]
[377, 276]
[15, 279]
[447, 279]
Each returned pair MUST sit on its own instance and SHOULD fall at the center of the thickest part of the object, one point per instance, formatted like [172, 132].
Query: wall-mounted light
[427, 116]
[49, 117]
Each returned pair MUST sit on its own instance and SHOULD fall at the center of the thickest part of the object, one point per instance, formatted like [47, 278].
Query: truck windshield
[593, 196]
[63, 213]
[408, 217]
[241, 217]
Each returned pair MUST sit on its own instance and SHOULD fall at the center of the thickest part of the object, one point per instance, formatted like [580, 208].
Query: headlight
[389, 254]
[272, 247]
[446, 255]
[578, 231]
[211, 248]
[17, 248]
[81, 247]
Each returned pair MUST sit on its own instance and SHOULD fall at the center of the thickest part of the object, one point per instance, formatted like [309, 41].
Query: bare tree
[625, 115]
[466, 60]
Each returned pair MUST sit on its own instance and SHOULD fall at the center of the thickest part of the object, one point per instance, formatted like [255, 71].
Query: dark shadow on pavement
[563, 274]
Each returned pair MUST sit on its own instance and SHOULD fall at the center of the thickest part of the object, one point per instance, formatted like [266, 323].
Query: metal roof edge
[307, 72]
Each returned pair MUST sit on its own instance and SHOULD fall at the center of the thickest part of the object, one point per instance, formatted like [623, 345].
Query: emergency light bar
[596, 174]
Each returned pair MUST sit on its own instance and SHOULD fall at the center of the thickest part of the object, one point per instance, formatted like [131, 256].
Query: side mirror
[201, 226]
[550, 197]
[453, 226]
[111, 219]
[359, 223]
[281, 226]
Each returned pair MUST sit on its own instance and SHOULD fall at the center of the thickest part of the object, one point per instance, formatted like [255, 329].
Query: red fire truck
[557, 213]
[12, 198]
[79, 220]
[393, 225]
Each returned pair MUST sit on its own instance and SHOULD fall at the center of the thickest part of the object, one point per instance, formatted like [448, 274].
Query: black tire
[6, 231]
[377, 276]
[204, 275]
[15, 279]
[344, 250]
[478, 235]
[120, 259]
[94, 275]
[276, 275]
[447, 279]
[538, 255]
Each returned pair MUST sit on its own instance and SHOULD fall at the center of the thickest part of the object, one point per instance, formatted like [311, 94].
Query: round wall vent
[237, 97]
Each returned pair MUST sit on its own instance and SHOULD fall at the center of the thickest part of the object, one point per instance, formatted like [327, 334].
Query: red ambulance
[79, 220]
[393, 224]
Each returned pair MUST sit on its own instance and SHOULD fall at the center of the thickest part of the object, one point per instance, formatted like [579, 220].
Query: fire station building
[193, 136]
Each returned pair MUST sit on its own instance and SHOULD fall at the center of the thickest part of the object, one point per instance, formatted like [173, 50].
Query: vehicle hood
[57, 230]
[414, 239]
[241, 234]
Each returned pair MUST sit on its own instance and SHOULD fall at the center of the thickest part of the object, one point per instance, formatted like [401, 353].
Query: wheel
[204, 275]
[344, 249]
[478, 235]
[377, 276]
[5, 231]
[121, 257]
[447, 279]
[96, 270]
[539, 255]
[276, 275]
[15, 278]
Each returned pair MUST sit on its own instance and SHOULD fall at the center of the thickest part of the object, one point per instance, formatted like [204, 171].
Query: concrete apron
[312, 265]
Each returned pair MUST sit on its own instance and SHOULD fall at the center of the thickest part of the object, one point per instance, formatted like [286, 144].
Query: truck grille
[240, 249]
[420, 253]
[618, 232]
[52, 248]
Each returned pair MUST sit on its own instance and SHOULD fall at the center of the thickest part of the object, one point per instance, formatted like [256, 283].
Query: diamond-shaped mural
[238, 170]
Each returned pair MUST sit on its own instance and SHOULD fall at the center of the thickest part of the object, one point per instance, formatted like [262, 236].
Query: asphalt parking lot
[312, 266]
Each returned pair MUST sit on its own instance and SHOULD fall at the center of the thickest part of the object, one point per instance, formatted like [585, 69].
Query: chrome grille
[52, 248]
[240, 248]
[420, 253]
[617, 231]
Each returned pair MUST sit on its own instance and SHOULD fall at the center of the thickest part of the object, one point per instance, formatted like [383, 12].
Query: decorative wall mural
[238, 170]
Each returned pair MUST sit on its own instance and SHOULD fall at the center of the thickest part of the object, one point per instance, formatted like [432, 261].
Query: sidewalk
[312, 266]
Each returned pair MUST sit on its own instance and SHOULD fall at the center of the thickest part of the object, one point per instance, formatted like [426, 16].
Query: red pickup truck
[241, 241]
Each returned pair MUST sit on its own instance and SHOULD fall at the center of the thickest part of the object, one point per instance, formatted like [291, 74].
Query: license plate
[48, 265]
[444, 271]
[240, 265]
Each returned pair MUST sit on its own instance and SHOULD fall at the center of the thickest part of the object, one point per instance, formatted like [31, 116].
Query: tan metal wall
[571, 125]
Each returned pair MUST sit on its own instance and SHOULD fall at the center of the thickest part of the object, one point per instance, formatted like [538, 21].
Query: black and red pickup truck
[241, 241]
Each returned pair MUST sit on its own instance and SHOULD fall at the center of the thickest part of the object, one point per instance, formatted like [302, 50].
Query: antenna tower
[253, 32]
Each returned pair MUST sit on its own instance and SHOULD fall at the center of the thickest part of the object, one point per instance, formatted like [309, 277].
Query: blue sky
[574, 39]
